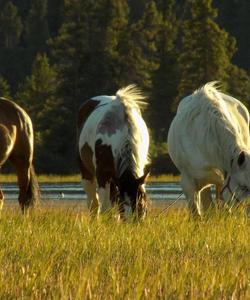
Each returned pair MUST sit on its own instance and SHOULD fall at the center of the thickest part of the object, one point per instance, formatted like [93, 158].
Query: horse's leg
[92, 197]
[104, 196]
[116, 201]
[218, 200]
[1, 199]
[23, 178]
[6, 146]
[192, 194]
[205, 199]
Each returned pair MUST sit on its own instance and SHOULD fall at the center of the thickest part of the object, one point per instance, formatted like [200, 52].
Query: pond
[74, 191]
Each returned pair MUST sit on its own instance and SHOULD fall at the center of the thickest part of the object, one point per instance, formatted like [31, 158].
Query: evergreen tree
[36, 29]
[206, 50]
[37, 96]
[4, 88]
[166, 77]
[10, 34]
[55, 16]
[86, 52]
[10, 26]
[138, 49]
[83, 48]
[234, 17]
[239, 84]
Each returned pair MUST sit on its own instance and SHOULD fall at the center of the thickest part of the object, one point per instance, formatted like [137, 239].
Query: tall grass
[77, 178]
[62, 254]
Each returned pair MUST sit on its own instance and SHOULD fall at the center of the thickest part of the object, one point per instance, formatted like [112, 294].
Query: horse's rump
[16, 137]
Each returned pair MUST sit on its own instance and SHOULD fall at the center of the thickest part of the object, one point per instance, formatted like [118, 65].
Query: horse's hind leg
[104, 196]
[206, 199]
[23, 177]
[92, 197]
[192, 194]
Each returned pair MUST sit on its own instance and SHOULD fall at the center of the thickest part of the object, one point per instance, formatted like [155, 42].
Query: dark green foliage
[4, 88]
[38, 96]
[10, 26]
[169, 48]
[206, 49]
[36, 26]
[166, 76]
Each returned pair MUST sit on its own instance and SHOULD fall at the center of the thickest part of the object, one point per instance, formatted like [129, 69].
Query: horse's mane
[223, 125]
[131, 157]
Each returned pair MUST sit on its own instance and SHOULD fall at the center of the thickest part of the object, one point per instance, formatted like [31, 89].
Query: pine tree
[86, 53]
[11, 29]
[138, 49]
[234, 17]
[37, 96]
[36, 27]
[238, 84]
[206, 50]
[166, 77]
[10, 26]
[4, 88]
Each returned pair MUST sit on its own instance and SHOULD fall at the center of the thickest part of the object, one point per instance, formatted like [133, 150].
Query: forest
[56, 54]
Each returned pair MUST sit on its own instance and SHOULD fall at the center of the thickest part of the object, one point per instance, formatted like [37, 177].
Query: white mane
[224, 127]
[134, 150]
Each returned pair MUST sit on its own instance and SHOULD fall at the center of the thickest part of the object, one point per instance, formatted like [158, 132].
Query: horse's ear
[241, 158]
[144, 178]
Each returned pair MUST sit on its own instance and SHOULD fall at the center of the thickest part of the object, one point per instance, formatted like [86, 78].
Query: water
[74, 191]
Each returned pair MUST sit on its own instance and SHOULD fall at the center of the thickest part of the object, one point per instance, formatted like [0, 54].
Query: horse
[208, 141]
[16, 140]
[113, 143]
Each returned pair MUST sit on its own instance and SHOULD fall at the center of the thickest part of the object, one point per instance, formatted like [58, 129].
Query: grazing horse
[113, 150]
[16, 140]
[208, 141]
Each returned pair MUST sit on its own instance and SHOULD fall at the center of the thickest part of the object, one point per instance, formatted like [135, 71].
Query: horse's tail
[33, 192]
[132, 96]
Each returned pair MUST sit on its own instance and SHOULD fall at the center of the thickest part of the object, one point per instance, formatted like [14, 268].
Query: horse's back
[12, 114]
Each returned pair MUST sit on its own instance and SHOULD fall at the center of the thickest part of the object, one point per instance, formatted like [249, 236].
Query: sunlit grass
[9, 178]
[62, 254]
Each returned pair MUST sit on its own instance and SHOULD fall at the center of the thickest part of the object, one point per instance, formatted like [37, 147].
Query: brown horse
[17, 142]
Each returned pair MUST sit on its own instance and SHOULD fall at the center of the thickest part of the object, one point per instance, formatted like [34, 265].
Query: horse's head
[133, 194]
[236, 186]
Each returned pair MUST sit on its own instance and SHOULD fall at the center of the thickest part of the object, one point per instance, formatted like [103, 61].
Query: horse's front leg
[92, 197]
[1, 199]
[192, 194]
[104, 196]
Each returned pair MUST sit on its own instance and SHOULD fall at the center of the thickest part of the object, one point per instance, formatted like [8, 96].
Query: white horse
[209, 143]
[113, 150]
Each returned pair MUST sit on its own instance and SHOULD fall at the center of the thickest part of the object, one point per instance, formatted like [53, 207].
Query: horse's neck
[229, 149]
[127, 163]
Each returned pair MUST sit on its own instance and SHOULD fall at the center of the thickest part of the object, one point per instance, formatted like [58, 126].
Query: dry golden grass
[77, 178]
[59, 253]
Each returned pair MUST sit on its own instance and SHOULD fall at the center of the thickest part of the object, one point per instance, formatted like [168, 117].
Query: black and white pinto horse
[113, 151]
[209, 143]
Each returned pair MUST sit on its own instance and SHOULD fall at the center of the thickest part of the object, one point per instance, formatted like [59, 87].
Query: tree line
[56, 54]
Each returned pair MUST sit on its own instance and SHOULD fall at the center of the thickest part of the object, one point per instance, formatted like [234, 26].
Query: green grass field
[59, 253]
